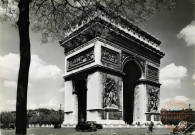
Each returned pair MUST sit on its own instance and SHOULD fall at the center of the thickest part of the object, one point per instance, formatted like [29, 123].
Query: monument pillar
[140, 102]
[94, 96]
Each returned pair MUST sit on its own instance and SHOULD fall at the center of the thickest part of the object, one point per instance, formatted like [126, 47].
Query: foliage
[7, 118]
[52, 117]
[52, 16]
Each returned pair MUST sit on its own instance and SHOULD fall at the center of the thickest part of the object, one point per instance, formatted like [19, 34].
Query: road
[105, 131]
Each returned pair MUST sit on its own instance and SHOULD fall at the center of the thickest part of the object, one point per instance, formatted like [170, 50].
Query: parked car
[98, 126]
[87, 125]
[57, 126]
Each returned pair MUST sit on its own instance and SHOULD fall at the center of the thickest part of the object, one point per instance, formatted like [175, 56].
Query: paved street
[105, 131]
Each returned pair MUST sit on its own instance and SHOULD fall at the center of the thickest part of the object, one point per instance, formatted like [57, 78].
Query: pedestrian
[151, 125]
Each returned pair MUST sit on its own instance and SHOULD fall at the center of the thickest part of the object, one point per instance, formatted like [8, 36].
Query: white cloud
[163, 102]
[171, 75]
[10, 84]
[184, 100]
[9, 65]
[9, 105]
[181, 98]
[51, 104]
[188, 34]
[171, 83]
[39, 69]
[172, 71]
[11, 102]
[41, 81]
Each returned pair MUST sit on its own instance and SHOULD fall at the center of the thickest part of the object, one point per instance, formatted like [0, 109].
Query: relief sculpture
[81, 58]
[109, 55]
[152, 73]
[153, 98]
[110, 95]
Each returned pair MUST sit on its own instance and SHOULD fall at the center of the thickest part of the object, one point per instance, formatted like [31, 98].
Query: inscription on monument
[81, 59]
[153, 98]
[152, 73]
[110, 94]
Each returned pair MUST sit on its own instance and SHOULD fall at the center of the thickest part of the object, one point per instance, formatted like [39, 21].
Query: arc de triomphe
[111, 73]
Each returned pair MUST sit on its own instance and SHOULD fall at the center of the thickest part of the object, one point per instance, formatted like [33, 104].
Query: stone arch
[80, 88]
[134, 59]
[133, 72]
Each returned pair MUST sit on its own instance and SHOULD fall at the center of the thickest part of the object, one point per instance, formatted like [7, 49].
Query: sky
[175, 29]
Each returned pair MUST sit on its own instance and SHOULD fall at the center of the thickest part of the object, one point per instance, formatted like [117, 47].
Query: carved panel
[152, 73]
[110, 55]
[153, 98]
[81, 59]
[110, 94]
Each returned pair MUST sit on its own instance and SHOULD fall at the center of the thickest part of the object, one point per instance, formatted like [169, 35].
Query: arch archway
[81, 90]
[133, 73]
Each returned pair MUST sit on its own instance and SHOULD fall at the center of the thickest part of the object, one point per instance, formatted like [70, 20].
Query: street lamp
[60, 114]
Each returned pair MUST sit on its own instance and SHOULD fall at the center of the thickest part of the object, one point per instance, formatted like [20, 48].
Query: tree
[7, 118]
[51, 17]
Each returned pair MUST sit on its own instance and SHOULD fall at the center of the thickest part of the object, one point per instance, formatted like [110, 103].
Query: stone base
[146, 122]
[110, 122]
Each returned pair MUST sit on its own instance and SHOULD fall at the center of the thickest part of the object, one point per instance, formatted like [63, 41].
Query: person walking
[151, 125]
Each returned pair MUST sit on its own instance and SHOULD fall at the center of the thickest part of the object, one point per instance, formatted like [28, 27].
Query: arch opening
[81, 89]
[132, 74]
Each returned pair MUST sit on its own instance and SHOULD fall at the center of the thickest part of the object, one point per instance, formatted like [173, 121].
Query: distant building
[175, 116]
[43, 111]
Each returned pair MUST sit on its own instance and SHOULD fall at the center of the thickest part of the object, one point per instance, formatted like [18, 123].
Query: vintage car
[98, 126]
[86, 125]
[57, 126]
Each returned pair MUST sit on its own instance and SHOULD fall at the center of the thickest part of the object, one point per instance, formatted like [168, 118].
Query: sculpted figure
[110, 96]
[153, 100]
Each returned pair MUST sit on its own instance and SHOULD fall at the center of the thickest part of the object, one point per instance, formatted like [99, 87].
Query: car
[57, 126]
[98, 126]
[86, 125]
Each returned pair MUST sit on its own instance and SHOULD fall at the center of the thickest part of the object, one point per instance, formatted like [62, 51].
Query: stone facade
[99, 63]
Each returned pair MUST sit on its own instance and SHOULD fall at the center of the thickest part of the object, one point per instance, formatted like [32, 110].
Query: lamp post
[60, 114]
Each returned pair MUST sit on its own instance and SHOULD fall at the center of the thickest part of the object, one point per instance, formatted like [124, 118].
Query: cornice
[104, 24]
[118, 21]
[70, 43]
[149, 82]
[93, 69]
